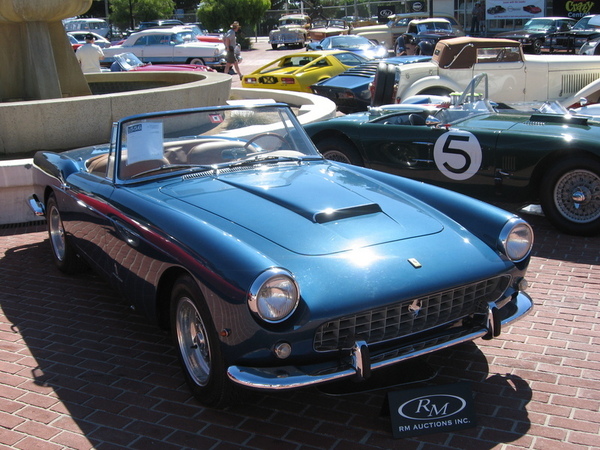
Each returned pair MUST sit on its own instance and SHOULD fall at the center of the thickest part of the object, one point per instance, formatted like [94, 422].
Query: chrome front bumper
[290, 377]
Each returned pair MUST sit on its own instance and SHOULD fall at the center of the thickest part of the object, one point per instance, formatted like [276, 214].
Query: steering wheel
[252, 140]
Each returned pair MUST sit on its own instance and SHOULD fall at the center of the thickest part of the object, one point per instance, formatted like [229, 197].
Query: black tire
[385, 77]
[63, 254]
[536, 46]
[570, 196]
[274, 46]
[198, 346]
[336, 149]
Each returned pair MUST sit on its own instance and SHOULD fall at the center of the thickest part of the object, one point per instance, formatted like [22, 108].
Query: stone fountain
[39, 62]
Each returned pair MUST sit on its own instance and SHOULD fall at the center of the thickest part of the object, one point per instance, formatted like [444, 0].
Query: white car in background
[100, 41]
[169, 46]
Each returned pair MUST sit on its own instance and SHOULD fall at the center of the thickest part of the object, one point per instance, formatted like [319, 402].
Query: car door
[506, 72]
[463, 161]
[158, 49]
[85, 209]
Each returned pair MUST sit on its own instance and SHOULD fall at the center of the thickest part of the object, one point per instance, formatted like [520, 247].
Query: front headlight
[516, 239]
[274, 295]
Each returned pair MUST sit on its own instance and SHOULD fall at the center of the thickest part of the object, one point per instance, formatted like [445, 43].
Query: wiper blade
[273, 156]
[171, 167]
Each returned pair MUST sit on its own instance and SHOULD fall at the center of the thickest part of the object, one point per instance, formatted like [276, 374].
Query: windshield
[582, 24]
[209, 139]
[538, 24]
[128, 61]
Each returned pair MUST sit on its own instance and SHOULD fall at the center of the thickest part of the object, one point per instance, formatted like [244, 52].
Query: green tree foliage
[216, 14]
[142, 11]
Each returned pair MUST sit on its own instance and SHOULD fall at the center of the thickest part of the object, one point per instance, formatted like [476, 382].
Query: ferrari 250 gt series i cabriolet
[273, 267]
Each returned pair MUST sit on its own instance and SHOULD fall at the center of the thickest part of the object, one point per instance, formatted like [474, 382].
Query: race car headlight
[274, 295]
[516, 239]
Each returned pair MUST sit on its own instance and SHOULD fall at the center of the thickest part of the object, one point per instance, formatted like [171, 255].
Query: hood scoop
[346, 213]
[558, 118]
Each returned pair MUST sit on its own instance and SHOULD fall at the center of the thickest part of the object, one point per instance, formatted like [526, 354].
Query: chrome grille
[411, 316]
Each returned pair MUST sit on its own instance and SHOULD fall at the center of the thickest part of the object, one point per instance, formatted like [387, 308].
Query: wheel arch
[429, 83]
[336, 134]
[163, 294]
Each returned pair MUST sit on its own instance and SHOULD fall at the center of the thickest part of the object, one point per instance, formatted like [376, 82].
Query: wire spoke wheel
[577, 196]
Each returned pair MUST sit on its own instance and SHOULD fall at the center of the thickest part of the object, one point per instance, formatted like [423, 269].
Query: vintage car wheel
[198, 61]
[384, 84]
[336, 149]
[536, 46]
[198, 345]
[274, 46]
[570, 196]
[64, 255]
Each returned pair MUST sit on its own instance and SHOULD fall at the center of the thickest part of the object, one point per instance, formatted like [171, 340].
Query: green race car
[468, 146]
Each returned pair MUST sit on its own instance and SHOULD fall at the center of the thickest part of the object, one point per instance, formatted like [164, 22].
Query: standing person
[230, 41]
[476, 15]
[89, 55]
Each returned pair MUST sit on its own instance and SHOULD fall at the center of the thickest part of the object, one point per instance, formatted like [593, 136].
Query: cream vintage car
[513, 77]
[387, 33]
[292, 30]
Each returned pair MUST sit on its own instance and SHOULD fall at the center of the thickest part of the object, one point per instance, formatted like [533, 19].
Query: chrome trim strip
[289, 377]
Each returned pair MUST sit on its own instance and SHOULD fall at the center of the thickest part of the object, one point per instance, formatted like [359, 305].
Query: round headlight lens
[274, 295]
[516, 239]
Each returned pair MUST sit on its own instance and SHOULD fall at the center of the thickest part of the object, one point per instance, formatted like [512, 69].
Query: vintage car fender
[432, 82]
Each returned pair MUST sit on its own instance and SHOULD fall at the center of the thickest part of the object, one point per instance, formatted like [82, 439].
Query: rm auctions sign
[432, 410]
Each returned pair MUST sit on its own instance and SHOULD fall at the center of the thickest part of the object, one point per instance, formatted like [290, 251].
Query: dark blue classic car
[350, 90]
[273, 267]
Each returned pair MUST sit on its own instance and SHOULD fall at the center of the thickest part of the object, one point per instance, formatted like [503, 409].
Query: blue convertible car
[272, 267]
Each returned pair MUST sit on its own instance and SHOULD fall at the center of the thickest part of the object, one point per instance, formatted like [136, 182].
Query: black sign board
[432, 409]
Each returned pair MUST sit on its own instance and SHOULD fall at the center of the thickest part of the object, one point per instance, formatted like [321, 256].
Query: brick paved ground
[79, 370]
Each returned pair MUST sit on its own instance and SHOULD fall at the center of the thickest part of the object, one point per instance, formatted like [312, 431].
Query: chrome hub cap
[193, 341]
[57, 234]
[577, 196]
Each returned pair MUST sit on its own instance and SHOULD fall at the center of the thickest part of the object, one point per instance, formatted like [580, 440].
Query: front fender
[431, 82]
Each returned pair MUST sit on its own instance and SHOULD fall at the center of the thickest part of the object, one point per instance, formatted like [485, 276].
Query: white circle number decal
[457, 155]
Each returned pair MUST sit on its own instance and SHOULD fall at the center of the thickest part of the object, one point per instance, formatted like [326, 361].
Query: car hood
[312, 209]
[520, 34]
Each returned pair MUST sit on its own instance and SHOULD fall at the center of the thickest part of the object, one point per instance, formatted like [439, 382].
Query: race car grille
[267, 80]
[412, 316]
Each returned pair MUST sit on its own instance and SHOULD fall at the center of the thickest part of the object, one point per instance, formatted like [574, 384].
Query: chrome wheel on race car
[570, 196]
[577, 196]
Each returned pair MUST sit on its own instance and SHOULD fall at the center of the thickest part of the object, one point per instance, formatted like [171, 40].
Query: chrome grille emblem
[415, 307]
